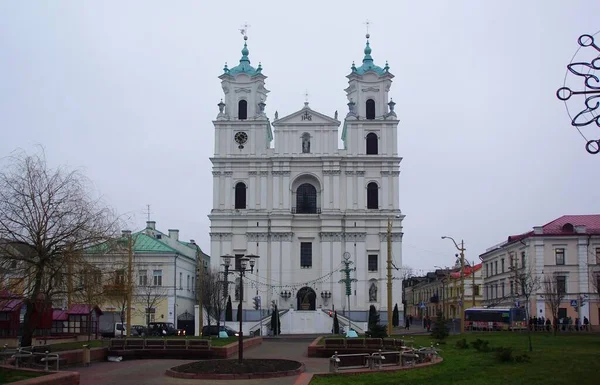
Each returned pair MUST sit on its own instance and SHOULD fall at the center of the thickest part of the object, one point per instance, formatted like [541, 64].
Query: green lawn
[564, 359]
[12, 375]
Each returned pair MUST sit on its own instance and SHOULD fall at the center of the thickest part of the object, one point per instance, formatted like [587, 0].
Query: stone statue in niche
[276, 115]
[336, 115]
[373, 293]
[306, 144]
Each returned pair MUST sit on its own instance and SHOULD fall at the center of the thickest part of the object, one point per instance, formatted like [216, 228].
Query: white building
[304, 202]
[566, 249]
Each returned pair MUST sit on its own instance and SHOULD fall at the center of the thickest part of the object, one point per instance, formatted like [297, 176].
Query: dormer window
[370, 111]
[242, 110]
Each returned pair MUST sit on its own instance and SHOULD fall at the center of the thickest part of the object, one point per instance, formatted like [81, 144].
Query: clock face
[241, 137]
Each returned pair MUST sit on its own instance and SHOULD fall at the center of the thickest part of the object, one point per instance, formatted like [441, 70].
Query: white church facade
[285, 191]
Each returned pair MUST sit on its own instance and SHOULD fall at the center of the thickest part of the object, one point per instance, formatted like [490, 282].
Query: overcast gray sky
[126, 91]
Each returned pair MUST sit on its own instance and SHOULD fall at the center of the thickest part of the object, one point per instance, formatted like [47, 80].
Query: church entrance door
[306, 299]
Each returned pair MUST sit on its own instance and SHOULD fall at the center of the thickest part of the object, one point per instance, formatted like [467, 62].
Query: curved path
[152, 372]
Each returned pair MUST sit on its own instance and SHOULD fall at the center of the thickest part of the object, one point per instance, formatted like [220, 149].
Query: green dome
[368, 64]
[244, 67]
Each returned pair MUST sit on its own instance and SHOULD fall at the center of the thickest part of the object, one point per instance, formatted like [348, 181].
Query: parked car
[212, 330]
[116, 330]
[138, 331]
[164, 329]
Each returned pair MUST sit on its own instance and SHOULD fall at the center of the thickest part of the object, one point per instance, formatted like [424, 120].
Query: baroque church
[283, 190]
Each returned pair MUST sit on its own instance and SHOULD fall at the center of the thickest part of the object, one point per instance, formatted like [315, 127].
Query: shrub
[522, 358]
[481, 345]
[462, 344]
[377, 331]
[504, 354]
[440, 327]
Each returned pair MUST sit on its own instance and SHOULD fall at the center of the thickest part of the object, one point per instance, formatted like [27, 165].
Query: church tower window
[371, 144]
[372, 196]
[306, 199]
[240, 195]
[242, 110]
[370, 109]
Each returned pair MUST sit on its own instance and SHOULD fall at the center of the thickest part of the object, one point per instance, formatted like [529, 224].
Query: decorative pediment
[306, 116]
[374, 89]
[246, 90]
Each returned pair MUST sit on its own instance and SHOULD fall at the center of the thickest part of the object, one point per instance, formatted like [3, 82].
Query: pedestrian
[410, 318]
[586, 322]
[548, 324]
[407, 323]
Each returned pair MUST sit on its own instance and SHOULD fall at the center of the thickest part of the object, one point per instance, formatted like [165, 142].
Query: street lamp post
[244, 261]
[462, 249]
[348, 281]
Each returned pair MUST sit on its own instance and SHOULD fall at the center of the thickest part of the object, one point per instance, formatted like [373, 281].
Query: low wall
[60, 378]
[313, 348]
[75, 357]
[232, 349]
[50, 340]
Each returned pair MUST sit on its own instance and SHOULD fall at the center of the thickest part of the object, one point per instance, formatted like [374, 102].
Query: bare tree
[45, 214]
[528, 283]
[553, 294]
[150, 295]
[214, 295]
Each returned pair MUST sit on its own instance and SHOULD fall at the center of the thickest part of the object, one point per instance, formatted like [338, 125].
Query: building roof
[10, 305]
[557, 226]
[59, 315]
[81, 309]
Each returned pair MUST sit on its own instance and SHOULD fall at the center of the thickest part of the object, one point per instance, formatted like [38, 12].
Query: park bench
[117, 344]
[134, 344]
[355, 343]
[332, 343]
[373, 343]
[199, 344]
[175, 344]
[155, 344]
[348, 361]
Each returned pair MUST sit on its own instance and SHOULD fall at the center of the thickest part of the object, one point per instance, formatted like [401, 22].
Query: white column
[326, 193]
[349, 191]
[336, 199]
[252, 200]
[582, 257]
[263, 189]
[384, 188]
[286, 191]
[228, 190]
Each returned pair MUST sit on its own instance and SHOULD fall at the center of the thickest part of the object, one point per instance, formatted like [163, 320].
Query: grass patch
[564, 359]
[12, 375]
[62, 347]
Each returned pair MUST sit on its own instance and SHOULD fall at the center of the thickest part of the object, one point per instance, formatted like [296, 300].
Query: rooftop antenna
[148, 212]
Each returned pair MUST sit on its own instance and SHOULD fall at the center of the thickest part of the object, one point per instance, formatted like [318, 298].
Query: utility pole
[200, 282]
[129, 282]
[389, 278]
[473, 274]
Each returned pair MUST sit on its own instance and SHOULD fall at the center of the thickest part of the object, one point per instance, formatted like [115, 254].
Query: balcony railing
[306, 210]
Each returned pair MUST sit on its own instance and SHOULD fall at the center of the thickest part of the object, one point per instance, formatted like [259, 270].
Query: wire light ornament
[584, 81]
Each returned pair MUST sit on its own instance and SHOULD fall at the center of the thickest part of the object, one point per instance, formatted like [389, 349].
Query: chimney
[151, 225]
[125, 233]
[581, 229]
[538, 230]
[174, 234]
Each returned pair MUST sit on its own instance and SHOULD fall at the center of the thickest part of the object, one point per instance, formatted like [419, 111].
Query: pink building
[566, 249]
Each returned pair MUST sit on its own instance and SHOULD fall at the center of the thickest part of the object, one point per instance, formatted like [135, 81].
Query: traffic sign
[574, 302]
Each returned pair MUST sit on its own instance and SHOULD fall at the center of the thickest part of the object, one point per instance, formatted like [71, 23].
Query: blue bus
[496, 318]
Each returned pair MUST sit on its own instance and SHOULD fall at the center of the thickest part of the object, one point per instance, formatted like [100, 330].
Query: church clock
[240, 138]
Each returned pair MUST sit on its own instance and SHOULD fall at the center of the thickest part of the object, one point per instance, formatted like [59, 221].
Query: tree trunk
[28, 320]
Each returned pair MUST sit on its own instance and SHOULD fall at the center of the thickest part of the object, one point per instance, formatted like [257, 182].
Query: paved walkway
[152, 372]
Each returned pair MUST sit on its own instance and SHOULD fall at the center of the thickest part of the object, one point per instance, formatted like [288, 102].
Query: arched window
[243, 109]
[372, 144]
[372, 196]
[240, 195]
[306, 143]
[370, 109]
[306, 199]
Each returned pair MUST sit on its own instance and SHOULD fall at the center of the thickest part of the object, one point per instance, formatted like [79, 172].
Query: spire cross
[367, 24]
[244, 29]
